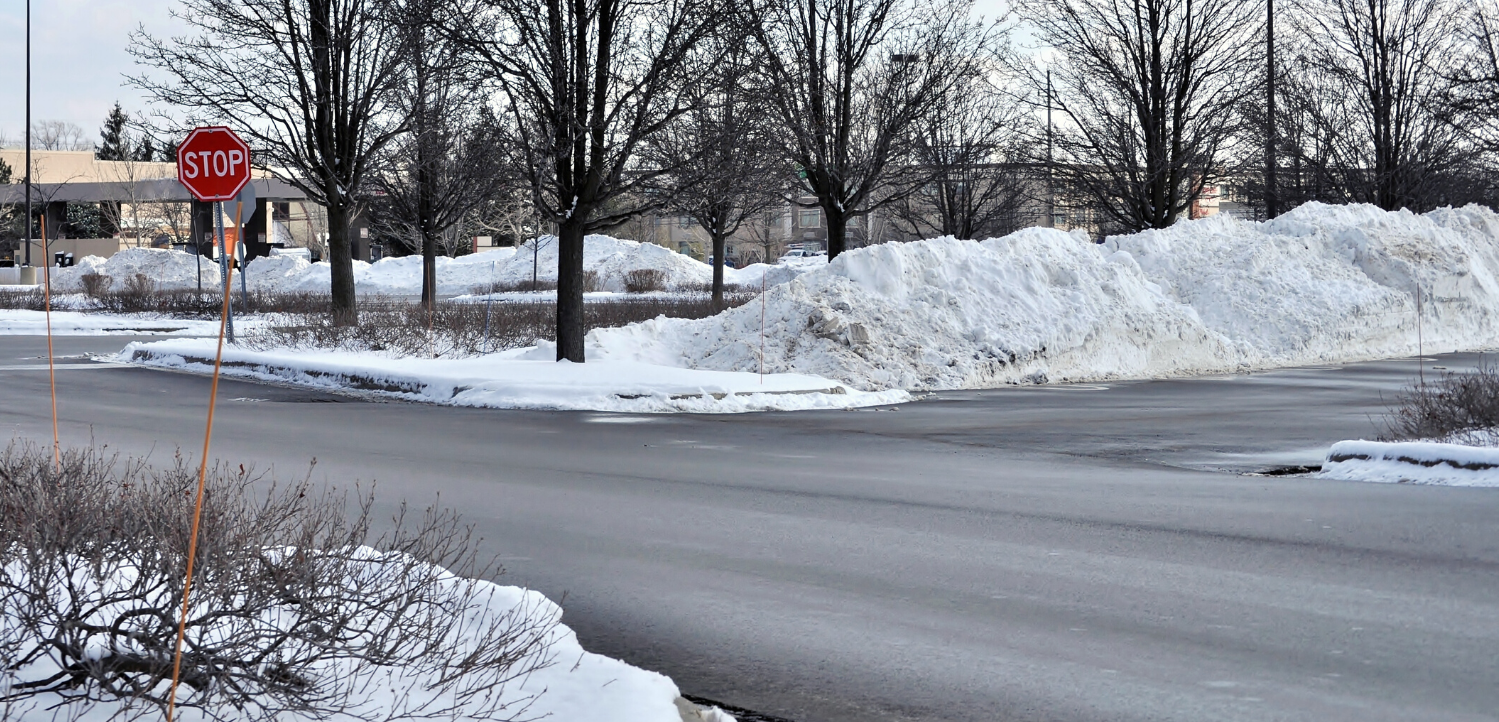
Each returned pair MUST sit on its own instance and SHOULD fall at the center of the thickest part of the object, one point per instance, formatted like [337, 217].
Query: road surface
[1054, 553]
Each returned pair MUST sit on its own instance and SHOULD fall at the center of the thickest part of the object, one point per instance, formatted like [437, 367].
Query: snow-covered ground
[610, 258]
[74, 323]
[1319, 284]
[570, 684]
[1417, 462]
[519, 379]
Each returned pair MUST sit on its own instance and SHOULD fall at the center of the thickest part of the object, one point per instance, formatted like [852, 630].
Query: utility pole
[1272, 194]
[1051, 192]
[28, 132]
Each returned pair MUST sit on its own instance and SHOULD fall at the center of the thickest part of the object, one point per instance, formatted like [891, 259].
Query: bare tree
[448, 162]
[59, 135]
[1473, 95]
[1149, 93]
[1378, 68]
[975, 148]
[849, 80]
[587, 84]
[768, 231]
[175, 217]
[306, 81]
[729, 168]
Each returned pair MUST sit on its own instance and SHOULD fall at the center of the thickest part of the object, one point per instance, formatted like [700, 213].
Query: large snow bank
[1420, 462]
[1319, 284]
[570, 685]
[610, 258]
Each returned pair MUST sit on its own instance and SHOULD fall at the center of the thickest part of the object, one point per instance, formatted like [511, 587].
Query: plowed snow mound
[610, 258]
[1320, 284]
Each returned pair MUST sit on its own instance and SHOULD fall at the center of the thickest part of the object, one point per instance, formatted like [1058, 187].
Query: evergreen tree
[114, 144]
[5, 172]
[146, 151]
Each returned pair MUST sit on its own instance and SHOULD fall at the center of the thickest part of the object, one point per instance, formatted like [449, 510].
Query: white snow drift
[569, 684]
[1320, 284]
[527, 378]
[1418, 462]
[610, 258]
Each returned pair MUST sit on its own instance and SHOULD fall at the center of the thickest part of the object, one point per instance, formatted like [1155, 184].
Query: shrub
[591, 282]
[644, 280]
[291, 611]
[1456, 402]
[513, 287]
[95, 284]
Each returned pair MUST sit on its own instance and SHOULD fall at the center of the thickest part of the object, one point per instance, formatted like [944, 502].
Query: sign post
[214, 165]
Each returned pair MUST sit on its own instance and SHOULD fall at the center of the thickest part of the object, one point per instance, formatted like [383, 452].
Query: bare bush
[95, 284]
[459, 330]
[291, 611]
[1455, 403]
[645, 280]
[513, 287]
[26, 300]
[591, 282]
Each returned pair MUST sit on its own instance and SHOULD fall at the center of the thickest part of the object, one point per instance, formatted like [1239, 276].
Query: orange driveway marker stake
[51, 368]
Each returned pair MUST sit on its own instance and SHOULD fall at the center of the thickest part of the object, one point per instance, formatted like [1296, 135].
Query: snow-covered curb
[518, 379]
[1417, 462]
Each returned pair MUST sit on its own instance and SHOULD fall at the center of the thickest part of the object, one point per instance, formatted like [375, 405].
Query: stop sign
[213, 163]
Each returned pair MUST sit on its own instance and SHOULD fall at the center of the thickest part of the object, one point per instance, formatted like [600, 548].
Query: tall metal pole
[28, 132]
[218, 222]
[1051, 193]
[1272, 194]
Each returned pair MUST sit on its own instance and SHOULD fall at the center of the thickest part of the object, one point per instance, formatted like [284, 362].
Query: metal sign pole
[218, 222]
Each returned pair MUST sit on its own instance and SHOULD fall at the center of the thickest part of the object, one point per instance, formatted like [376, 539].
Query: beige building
[140, 204]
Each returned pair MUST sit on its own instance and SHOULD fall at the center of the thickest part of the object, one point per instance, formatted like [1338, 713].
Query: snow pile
[1319, 284]
[526, 378]
[570, 685]
[1420, 462]
[611, 258]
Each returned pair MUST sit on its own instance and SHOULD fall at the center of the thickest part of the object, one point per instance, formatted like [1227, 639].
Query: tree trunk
[719, 243]
[837, 230]
[425, 223]
[341, 266]
[570, 328]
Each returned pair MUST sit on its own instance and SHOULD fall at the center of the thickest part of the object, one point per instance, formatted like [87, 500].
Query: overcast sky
[78, 58]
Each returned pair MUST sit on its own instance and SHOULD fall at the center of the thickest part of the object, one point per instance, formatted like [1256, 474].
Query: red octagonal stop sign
[213, 163]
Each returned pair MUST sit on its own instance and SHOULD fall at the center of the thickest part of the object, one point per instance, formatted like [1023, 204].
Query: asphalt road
[1057, 553]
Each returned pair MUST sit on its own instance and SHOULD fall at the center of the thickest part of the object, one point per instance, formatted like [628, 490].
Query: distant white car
[797, 253]
[301, 253]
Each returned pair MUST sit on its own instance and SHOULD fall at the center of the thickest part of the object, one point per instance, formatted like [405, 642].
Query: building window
[684, 222]
[810, 218]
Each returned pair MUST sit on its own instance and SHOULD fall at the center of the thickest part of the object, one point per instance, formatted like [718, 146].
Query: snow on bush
[292, 618]
[1319, 284]
[612, 259]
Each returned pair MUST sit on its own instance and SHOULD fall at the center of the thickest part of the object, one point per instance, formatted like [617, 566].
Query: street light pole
[1272, 194]
[28, 132]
